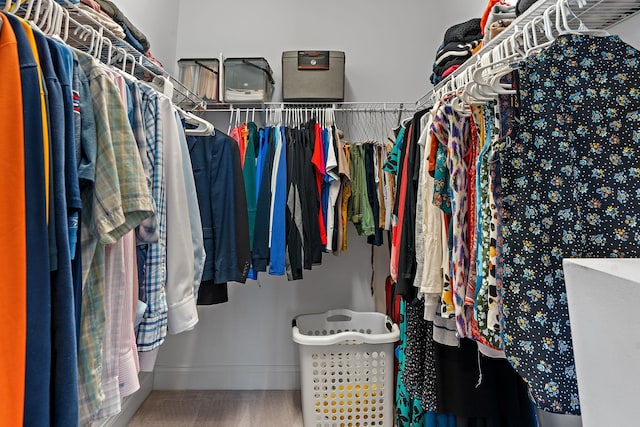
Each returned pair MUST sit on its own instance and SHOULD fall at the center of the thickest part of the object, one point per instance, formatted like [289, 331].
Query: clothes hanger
[456, 102]
[90, 32]
[40, 15]
[531, 33]
[7, 5]
[204, 127]
[16, 6]
[132, 71]
[124, 58]
[27, 12]
[473, 92]
[50, 17]
[563, 10]
[57, 26]
[106, 41]
[64, 25]
[484, 65]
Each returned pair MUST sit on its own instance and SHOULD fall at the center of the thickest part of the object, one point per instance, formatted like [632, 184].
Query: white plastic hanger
[27, 12]
[109, 46]
[563, 10]
[56, 24]
[16, 6]
[204, 127]
[64, 25]
[230, 120]
[49, 17]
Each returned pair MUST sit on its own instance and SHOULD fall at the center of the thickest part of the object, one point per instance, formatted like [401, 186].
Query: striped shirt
[153, 328]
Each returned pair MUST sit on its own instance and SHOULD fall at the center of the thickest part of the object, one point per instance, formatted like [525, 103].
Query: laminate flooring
[220, 408]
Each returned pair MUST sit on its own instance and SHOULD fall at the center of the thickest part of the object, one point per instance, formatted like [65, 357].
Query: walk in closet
[468, 185]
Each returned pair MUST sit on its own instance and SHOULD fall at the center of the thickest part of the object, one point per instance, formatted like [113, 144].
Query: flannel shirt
[117, 202]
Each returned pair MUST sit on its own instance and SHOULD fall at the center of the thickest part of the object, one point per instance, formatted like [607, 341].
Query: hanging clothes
[260, 254]
[277, 230]
[14, 252]
[96, 172]
[568, 181]
[215, 160]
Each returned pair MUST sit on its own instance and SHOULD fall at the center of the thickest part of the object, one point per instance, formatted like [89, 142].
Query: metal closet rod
[350, 106]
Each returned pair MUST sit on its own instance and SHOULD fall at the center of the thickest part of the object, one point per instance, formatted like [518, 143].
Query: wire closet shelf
[595, 15]
[345, 107]
[103, 44]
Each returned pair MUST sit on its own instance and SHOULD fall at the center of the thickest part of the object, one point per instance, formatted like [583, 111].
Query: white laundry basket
[346, 368]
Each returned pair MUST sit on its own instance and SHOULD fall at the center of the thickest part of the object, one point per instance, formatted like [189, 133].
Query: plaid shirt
[153, 329]
[117, 202]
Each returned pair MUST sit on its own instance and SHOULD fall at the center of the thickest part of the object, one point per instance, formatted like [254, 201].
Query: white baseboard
[227, 377]
[130, 404]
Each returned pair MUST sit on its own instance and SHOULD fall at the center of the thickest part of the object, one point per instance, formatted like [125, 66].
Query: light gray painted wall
[389, 45]
[158, 20]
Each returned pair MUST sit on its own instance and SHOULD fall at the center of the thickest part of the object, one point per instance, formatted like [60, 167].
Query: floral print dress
[571, 188]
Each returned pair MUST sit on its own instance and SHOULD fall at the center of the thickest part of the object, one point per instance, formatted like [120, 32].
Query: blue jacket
[64, 380]
[215, 160]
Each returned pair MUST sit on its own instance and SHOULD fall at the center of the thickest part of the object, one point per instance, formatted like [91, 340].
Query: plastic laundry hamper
[346, 368]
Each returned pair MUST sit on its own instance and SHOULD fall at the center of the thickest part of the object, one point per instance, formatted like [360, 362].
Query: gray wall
[389, 45]
[158, 20]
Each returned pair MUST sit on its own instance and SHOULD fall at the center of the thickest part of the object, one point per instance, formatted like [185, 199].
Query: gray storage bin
[247, 80]
[313, 75]
[201, 76]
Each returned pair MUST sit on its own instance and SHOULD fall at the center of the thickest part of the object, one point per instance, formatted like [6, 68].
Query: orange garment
[244, 139]
[477, 48]
[45, 117]
[487, 12]
[13, 251]
[236, 134]
[433, 151]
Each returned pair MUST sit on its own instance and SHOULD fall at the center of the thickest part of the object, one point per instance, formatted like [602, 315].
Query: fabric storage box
[201, 76]
[346, 368]
[247, 80]
[313, 75]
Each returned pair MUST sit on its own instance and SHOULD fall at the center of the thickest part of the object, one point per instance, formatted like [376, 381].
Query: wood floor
[262, 408]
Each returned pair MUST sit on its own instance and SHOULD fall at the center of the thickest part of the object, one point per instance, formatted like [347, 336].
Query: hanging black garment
[372, 194]
[243, 248]
[293, 216]
[419, 374]
[407, 256]
[470, 385]
[310, 199]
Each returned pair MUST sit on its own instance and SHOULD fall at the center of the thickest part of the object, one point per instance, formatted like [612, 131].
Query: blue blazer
[217, 171]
